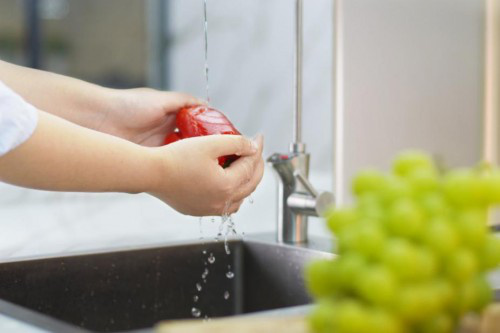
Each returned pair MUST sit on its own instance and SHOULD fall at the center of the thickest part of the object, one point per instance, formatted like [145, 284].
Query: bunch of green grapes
[412, 252]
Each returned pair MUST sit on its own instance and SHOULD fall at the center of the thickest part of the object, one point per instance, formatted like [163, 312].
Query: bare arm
[75, 100]
[63, 156]
[140, 115]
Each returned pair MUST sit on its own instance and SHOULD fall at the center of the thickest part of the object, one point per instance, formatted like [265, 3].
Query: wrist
[155, 179]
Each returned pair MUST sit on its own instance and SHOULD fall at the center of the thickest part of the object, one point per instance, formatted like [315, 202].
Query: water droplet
[250, 199]
[211, 258]
[230, 275]
[196, 312]
[226, 294]
[198, 287]
[205, 273]
[195, 298]
[204, 251]
[226, 247]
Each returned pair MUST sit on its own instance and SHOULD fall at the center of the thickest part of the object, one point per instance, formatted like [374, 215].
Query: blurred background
[413, 73]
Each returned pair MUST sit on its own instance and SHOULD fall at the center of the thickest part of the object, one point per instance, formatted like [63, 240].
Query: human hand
[144, 116]
[193, 183]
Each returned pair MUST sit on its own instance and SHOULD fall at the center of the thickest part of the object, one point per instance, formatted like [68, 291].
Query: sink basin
[133, 289]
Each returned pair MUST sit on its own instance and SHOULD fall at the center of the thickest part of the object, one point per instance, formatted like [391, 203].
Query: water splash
[195, 312]
[205, 274]
[211, 258]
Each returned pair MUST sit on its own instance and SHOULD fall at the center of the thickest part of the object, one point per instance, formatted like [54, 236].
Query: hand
[144, 116]
[194, 183]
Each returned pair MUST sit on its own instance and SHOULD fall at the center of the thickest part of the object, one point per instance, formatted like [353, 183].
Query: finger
[178, 100]
[222, 145]
[248, 188]
[234, 207]
[241, 171]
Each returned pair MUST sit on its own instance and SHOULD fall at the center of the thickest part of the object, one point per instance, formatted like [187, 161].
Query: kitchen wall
[413, 73]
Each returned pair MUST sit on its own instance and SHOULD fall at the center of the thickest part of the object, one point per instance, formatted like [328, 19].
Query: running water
[206, 50]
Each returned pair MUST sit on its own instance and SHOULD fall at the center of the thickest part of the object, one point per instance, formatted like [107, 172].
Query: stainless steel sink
[132, 289]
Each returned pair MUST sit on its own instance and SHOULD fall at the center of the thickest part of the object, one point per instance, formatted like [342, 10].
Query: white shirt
[18, 119]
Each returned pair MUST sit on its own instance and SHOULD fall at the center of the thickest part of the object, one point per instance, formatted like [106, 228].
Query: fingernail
[255, 146]
[258, 139]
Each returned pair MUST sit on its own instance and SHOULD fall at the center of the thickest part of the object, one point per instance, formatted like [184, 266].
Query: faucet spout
[297, 197]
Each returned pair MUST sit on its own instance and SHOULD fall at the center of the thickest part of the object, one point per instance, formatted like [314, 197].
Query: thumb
[221, 145]
[177, 100]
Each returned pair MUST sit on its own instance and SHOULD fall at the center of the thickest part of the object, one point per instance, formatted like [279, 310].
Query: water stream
[227, 225]
[206, 49]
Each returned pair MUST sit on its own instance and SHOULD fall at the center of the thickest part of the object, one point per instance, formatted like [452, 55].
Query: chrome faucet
[297, 198]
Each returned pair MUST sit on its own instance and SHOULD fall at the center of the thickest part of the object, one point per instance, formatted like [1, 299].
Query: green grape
[382, 321]
[409, 161]
[322, 278]
[338, 219]
[440, 236]
[434, 204]
[425, 265]
[484, 293]
[492, 181]
[368, 180]
[405, 219]
[417, 302]
[377, 285]
[490, 253]
[467, 297]
[395, 188]
[464, 188]
[322, 318]
[423, 181]
[352, 317]
[441, 323]
[398, 254]
[367, 239]
[368, 207]
[461, 265]
[471, 226]
[444, 292]
[349, 267]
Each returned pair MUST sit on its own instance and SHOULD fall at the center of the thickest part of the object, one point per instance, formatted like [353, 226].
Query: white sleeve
[18, 119]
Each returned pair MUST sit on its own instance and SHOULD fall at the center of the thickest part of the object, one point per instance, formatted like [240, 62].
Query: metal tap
[297, 198]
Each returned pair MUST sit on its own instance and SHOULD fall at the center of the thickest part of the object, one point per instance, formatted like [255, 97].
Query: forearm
[78, 101]
[62, 156]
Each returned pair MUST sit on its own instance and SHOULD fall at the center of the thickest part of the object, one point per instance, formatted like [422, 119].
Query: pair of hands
[193, 183]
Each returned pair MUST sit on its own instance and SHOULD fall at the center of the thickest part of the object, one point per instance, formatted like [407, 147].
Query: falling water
[206, 50]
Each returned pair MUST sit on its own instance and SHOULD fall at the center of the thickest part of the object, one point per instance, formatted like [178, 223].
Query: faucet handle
[314, 204]
[306, 183]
